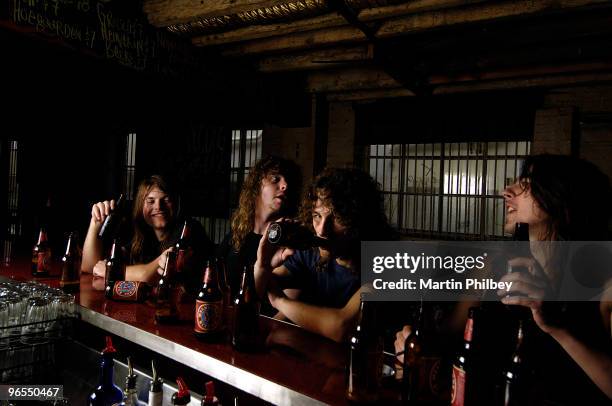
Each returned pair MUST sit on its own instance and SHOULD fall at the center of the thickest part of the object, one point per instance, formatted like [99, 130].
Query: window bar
[483, 191]
[413, 151]
[401, 188]
[441, 186]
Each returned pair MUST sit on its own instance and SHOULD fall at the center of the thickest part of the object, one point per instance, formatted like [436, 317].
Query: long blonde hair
[243, 219]
[142, 231]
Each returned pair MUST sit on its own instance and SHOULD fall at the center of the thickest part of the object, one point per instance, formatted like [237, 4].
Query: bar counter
[296, 367]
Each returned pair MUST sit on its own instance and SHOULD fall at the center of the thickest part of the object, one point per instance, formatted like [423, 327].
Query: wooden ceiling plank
[162, 13]
[319, 59]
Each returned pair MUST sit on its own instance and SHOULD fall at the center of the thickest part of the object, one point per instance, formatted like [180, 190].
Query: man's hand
[161, 261]
[101, 210]
[99, 269]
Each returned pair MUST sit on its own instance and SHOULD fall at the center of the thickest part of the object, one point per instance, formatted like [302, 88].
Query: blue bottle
[107, 393]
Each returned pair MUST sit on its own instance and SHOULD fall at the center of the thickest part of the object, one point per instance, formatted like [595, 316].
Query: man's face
[521, 207]
[328, 226]
[273, 194]
[158, 209]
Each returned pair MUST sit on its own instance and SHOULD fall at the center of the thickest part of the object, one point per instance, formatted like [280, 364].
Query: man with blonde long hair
[270, 191]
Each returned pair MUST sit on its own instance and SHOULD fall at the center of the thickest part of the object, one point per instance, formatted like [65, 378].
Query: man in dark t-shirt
[269, 192]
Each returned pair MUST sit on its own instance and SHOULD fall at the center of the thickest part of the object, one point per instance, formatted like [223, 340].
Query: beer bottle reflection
[209, 307]
[365, 358]
[246, 314]
[518, 375]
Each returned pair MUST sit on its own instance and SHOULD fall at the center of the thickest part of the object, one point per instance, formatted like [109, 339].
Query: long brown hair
[142, 231]
[243, 219]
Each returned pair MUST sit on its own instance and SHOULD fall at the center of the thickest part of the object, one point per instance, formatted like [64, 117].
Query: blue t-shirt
[330, 286]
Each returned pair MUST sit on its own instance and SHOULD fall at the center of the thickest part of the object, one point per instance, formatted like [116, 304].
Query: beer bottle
[465, 369]
[110, 227]
[365, 358]
[517, 377]
[209, 398]
[70, 279]
[41, 255]
[293, 235]
[182, 396]
[224, 283]
[115, 269]
[129, 291]
[182, 247]
[209, 307]
[156, 394]
[130, 394]
[423, 381]
[165, 306]
[246, 314]
[107, 393]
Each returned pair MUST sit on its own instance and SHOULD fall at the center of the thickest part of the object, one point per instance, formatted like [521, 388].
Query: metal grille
[447, 190]
[129, 167]
[246, 150]
[13, 224]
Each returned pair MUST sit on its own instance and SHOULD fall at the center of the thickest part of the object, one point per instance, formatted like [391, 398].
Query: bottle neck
[107, 379]
[42, 236]
[69, 246]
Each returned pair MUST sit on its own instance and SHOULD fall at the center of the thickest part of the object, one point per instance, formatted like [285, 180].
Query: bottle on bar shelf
[130, 394]
[107, 393]
[209, 398]
[182, 396]
[70, 279]
[245, 332]
[424, 380]
[166, 310]
[209, 307]
[41, 255]
[365, 357]
[110, 227]
[466, 383]
[115, 269]
[129, 291]
[518, 375]
[293, 235]
[156, 389]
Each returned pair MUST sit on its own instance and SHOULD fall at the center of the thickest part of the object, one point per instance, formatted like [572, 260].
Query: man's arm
[329, 322]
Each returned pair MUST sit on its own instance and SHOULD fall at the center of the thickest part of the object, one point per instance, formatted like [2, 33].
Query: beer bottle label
[43, 261]
[126, 290]
[208, 316]
[458, 389]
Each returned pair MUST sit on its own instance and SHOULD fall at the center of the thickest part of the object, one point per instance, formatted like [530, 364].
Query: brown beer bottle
[70, 279]
[110, 227]
[41, 255]
[166, 306]
[115, 268]
[293, 235]
[518, 375]
[423, 381]
[129, 291]
[365, 357]
[465, 369]
[224, 282]
[209, 307]
[245, 333]
[182, 247]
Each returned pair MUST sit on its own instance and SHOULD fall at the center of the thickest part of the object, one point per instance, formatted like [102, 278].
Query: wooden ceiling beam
[319, 59]
[162, 13]
[350, 80]
[420, 22]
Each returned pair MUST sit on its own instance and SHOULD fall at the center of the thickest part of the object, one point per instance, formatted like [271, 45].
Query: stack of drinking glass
[33, 317]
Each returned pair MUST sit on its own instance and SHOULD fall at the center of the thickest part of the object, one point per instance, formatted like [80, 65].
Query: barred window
[13, 225]
[129, 167]
[447, 190]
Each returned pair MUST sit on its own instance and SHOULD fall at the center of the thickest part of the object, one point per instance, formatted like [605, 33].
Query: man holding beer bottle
[156, 230]
[322, 284]
[270, 191]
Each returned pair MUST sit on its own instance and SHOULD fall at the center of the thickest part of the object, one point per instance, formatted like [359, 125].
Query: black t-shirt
[235, 261]
[203, 249]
